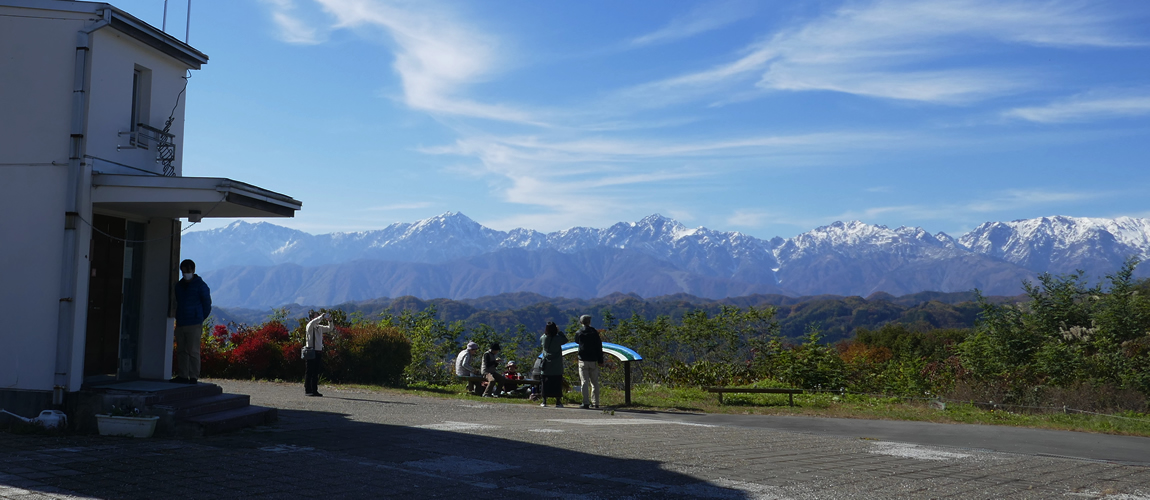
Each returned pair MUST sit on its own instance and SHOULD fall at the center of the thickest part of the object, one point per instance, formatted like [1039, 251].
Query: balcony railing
[163, 140]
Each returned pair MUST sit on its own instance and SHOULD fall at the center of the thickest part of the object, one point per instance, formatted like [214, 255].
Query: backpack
[537, 369]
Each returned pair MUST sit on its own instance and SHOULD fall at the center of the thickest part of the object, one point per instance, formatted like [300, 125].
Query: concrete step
[186, 408]
[183, 392]
[233, 419]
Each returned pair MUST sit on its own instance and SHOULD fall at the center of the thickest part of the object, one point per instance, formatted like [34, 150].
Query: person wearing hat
[511, 373]
[490, 369]
[465, 366]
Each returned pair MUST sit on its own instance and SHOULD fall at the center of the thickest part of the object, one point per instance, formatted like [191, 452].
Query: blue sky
[768, 118]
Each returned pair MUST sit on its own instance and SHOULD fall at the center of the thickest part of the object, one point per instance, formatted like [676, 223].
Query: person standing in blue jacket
[193, 306]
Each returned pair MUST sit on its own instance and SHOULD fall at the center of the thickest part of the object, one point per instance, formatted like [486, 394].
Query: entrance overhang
[180, 197]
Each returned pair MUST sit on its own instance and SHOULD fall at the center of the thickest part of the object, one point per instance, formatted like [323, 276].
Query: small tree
[432, 344]
[812, 365]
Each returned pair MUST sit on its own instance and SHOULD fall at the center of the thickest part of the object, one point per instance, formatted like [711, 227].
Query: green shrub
[432, 345]
[812, 365]
[709, 373]
[368, 353]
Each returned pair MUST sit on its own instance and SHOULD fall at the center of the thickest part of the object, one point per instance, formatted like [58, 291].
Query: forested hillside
[837, 317]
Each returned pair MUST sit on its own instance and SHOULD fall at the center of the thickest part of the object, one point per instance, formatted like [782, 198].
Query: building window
[141, 100]
[135, 99]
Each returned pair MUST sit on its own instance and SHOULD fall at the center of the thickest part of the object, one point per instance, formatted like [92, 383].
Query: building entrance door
[114, 297]
[105, 295]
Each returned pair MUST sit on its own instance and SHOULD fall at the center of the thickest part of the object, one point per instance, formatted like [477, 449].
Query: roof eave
[125, 23]
[176, 197]
[152, 37]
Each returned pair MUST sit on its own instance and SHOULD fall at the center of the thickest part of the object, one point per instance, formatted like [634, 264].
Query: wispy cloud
[681, 215]
[749, 218]
[1088, 107]
[701, 19]
[292, 29]
[1005, 201]
[1019, 198]
[437, 56]
[905, 50]
[597, 149]
[608, 174]
[602, 151]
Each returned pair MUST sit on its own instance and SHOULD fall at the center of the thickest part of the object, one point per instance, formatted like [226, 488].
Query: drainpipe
[69, 282]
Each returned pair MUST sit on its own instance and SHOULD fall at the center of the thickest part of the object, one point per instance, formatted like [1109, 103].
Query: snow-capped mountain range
[450, 255]
[1062, 244]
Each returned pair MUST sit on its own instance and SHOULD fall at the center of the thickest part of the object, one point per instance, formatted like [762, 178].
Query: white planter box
[140, 427]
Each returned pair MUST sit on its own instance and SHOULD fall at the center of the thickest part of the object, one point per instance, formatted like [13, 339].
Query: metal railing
[163, 139]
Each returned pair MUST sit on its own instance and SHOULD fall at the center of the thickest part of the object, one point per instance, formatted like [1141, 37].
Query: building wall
[156, 328]
[32, 220]
[115, 56]
[38, 59]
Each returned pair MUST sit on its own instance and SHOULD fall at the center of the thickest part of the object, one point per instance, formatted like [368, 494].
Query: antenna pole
[188, 26]
[164, 27]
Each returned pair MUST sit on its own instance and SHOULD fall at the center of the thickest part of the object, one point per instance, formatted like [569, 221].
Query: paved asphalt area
[359, 444]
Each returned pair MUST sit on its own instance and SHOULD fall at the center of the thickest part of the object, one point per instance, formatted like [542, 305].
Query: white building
[91, 136]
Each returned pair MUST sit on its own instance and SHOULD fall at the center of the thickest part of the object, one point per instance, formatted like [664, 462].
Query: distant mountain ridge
[452, 256]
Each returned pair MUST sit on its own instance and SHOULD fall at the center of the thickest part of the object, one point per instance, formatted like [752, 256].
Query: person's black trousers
[312, 368]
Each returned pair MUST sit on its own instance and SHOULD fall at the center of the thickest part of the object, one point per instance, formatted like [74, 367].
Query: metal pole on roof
[164, 26]
[188, 25]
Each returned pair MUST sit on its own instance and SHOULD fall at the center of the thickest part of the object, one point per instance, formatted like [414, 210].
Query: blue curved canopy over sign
[622, 353]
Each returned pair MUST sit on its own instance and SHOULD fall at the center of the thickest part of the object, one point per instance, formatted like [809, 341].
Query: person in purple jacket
[193, 306]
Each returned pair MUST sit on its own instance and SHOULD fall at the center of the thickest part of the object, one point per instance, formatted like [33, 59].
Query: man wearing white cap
[465, 366]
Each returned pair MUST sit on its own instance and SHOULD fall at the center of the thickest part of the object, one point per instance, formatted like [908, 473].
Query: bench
[721, 390]
[483, 380]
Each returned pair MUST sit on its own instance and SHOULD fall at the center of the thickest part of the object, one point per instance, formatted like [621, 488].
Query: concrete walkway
[360, 444]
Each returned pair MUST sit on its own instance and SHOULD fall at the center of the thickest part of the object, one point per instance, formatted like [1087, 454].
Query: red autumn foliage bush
[364, 353]
[214, 351]
[256, 350]
[292, 367]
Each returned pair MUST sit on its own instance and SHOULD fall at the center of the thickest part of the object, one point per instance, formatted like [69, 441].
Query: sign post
[627, 382]
[622, 353]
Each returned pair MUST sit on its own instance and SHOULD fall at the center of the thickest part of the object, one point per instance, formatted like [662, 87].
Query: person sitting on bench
[512, 373]
[465, 366]
[490, 369]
